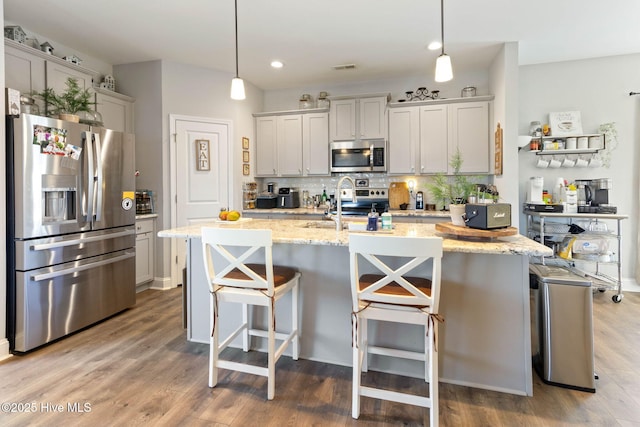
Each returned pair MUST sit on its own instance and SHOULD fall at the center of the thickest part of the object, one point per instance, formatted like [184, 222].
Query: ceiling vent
[344, 67]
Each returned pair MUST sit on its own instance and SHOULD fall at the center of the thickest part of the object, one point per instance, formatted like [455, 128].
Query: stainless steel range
[366, 199]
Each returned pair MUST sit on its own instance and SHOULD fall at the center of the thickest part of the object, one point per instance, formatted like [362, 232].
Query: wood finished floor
[138, 369]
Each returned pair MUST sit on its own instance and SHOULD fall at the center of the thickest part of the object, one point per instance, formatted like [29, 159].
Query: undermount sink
[319, 224]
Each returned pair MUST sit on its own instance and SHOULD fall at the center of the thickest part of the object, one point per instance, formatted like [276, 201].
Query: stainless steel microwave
[359, 156]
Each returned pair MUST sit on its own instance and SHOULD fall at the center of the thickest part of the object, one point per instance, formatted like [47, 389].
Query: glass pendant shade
[444, 72]
[237, 89]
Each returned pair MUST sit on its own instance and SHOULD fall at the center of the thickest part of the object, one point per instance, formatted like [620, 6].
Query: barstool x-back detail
[392, 295]
[248, 284]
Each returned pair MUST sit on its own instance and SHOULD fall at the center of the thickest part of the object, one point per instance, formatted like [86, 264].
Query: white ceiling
[383, 38]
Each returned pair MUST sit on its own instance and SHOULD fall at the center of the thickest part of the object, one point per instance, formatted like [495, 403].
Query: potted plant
[453, 190]
[68, 104]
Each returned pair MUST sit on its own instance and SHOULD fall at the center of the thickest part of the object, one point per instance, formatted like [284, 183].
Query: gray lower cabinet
[145, 243]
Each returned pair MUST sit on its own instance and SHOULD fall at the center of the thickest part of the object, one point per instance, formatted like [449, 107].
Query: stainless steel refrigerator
[70, 225]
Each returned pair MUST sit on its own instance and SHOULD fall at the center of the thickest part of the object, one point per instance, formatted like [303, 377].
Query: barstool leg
[434, 413]
[355, 339]
[294, 321]
[213, 345]
[364, 340]
[271, 349]
[245, 322]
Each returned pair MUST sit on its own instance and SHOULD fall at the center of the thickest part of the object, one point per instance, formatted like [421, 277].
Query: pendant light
[444, 73]
[237, 85]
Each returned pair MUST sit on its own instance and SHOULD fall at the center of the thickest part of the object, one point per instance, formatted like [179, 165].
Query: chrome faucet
[339, 199]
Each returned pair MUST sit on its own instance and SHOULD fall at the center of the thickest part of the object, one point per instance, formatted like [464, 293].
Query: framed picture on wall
[245, 169]
[565, 123]
[245, 143]
[245, 156]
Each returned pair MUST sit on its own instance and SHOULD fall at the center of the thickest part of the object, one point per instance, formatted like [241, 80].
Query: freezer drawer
[55, 301]
[37, 253]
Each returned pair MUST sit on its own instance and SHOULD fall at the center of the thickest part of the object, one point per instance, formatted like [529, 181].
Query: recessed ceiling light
[434, 45]
[277, 64]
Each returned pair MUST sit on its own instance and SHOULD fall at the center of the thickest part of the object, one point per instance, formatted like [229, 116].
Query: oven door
[358, 156]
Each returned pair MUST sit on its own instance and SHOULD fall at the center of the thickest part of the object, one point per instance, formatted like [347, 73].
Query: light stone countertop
[320, 211]
[316, 232]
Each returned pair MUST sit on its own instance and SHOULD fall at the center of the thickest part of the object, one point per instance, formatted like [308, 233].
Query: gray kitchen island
[485, 339]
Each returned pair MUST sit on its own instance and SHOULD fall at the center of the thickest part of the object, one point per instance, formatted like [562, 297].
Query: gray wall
[162, 88]
[599, 89]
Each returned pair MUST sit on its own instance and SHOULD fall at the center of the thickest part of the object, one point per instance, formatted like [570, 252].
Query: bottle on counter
[386, 221]
[324, 196]
[372, 220]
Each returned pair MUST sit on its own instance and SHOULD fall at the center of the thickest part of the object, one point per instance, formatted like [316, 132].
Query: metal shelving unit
[601, 280]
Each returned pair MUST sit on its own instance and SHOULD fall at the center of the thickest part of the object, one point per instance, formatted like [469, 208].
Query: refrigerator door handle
[73, 242]
[52, 275]
[87, 204]
[99, 178]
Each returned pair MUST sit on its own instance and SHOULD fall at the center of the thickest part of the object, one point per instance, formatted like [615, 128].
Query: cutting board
[459, 231]
[398, 194]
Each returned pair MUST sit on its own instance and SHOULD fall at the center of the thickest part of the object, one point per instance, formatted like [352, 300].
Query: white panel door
[200, 194]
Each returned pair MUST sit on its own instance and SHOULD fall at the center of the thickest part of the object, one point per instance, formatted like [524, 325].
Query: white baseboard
[4, 349]
[630, 285]
[162, 283]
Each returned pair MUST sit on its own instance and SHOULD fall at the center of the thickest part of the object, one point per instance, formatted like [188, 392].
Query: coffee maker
[534, 190]
[593, 196]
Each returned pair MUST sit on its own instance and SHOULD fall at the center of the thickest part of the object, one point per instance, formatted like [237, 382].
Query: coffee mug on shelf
[571, 143]
[542, 163]
[595, 162]
[583, 143]
[568, 162]
[554, 163]
[581, 163]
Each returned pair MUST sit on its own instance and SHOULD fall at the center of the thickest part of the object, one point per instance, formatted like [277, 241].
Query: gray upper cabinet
[424, 135]
[358, 117]
[23, 71]
[57, 75]
[292, 143]
[116, 110]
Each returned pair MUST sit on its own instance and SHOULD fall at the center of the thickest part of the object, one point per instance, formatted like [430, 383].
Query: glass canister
[28, 105]
[323, 101]
[306, 101]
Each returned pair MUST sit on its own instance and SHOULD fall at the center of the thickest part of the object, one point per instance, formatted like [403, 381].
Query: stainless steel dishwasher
[562, 311]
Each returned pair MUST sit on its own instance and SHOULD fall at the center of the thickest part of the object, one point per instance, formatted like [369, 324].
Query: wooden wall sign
[203, 160]
[498, 150]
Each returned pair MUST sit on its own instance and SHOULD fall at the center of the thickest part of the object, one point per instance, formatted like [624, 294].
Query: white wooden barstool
[392, 295]
[239, 282]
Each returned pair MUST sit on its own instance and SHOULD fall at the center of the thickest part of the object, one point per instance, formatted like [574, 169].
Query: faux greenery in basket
[454, 189]
[72, 101]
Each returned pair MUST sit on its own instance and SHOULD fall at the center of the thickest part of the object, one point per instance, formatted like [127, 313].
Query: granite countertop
[320, 211]
[305, 232]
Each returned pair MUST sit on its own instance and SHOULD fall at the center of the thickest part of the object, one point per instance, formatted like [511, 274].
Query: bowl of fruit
[226, 215]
